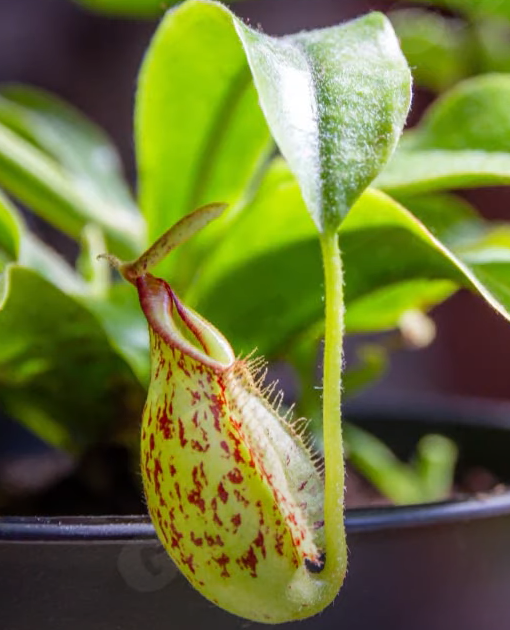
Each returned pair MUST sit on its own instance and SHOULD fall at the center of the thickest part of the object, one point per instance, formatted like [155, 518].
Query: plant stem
[336, 552]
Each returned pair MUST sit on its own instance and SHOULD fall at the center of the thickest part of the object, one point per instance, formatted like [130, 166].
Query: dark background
[92, 61]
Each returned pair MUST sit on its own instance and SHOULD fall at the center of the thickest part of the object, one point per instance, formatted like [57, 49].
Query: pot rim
[111, 529]
[139, 528]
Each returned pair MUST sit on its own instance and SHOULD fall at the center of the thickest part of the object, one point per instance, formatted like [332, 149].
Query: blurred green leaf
[448, 217]
[381, 309]
[115, 305]
[275, 217]
[275, 230]
[126, 327]
[377, 462]
[422, 171]
[474, 115]
[130, 8]
[71, 139]
[10, 229]
[434, 463]
[45, 186]
[371, 363]
[336, 101]
[442, 50]
[463, 140]
[268, 292]
[423, 243]
[492, 37]
[84, 159]
[36, 255]
[476, 9]
[274, 224]
[428, 478]
[58, 373]
[437, 48]
[19, 244]
[91, 266]
[200, 134]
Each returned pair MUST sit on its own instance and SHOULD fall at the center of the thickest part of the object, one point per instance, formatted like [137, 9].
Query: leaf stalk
[336, 552]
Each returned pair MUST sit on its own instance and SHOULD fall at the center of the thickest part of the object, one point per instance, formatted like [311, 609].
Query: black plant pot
[444, 566]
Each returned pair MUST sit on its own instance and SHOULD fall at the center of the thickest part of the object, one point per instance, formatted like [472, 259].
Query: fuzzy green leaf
[336, 101]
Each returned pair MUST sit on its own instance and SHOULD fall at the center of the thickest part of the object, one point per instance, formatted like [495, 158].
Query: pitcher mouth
[180, 327]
